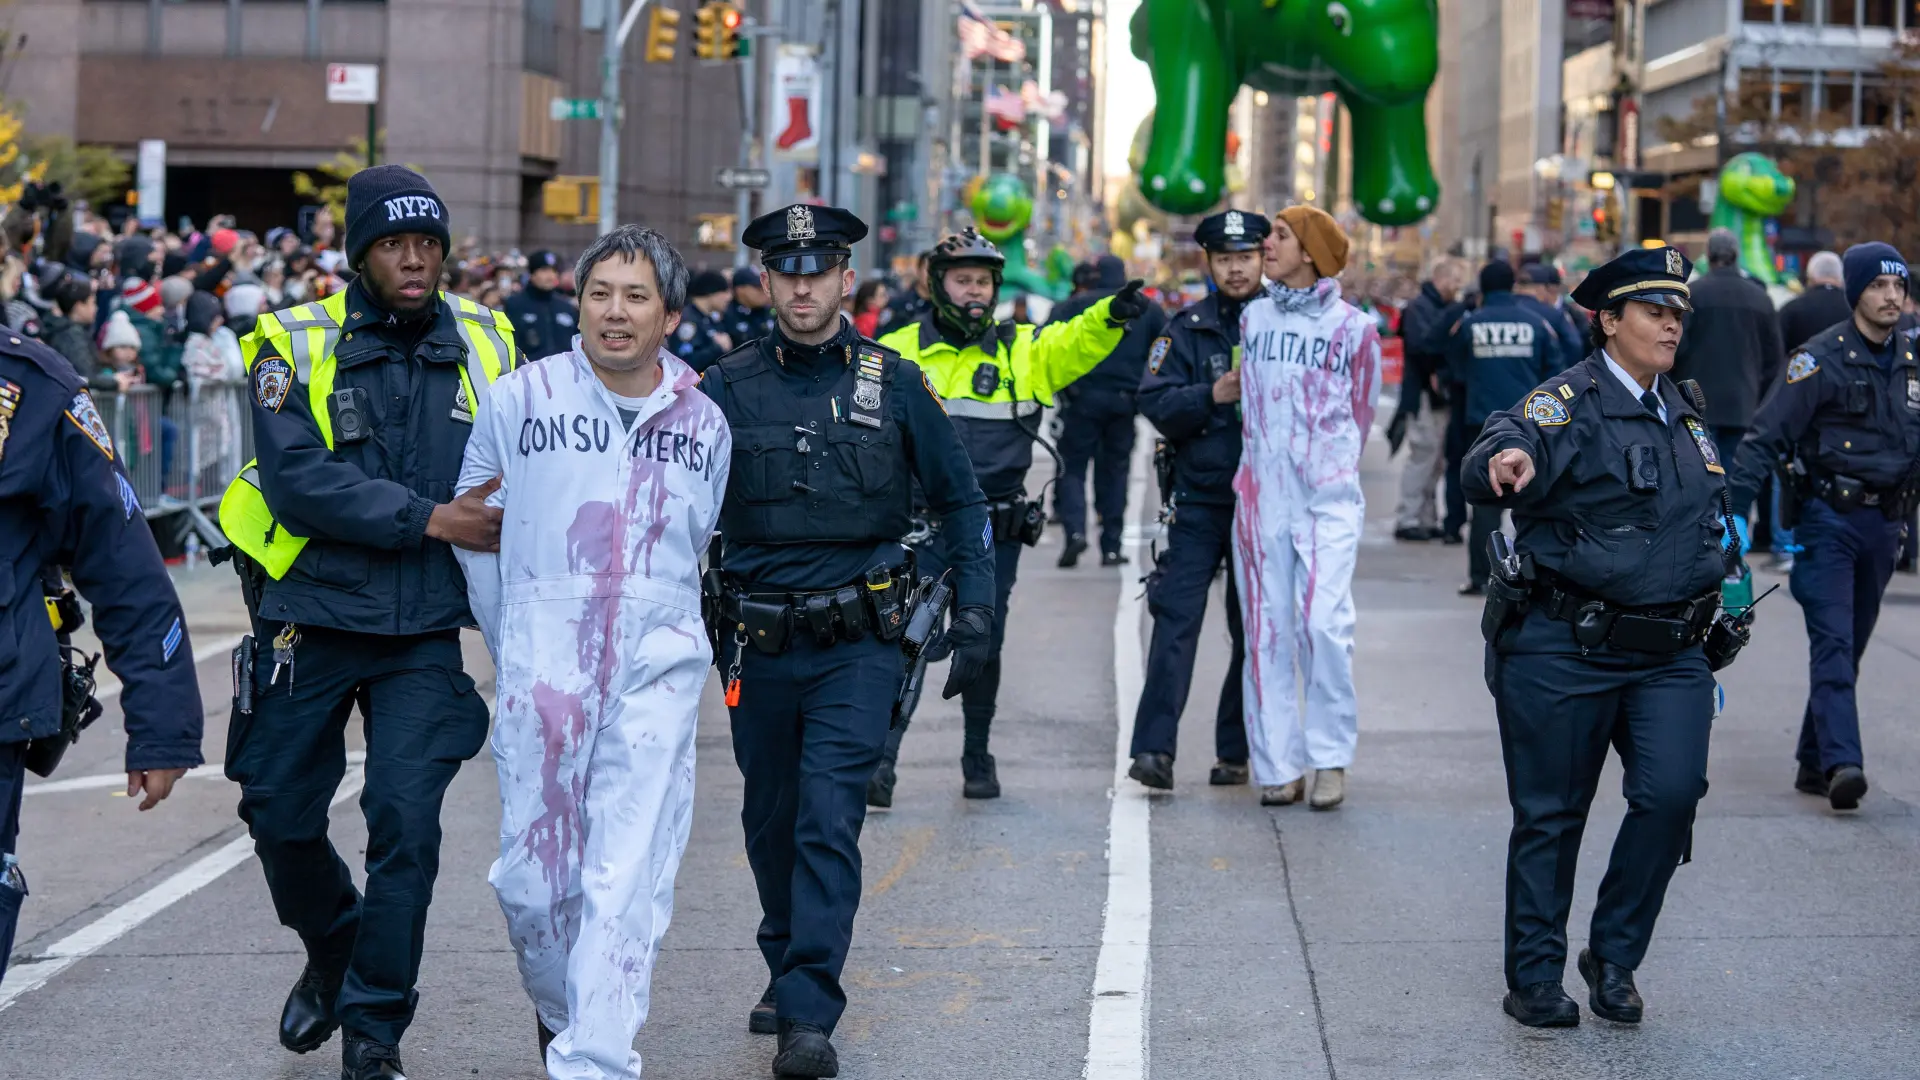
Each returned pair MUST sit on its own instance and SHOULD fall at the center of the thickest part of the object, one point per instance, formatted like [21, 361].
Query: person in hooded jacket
[1096, 422]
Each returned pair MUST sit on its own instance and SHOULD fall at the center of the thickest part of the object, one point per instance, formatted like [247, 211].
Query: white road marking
[1117, 1034]
[210, 771]
[27, 977]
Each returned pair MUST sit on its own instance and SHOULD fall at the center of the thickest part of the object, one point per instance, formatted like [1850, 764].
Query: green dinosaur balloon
[1380, 55]
[1752, 189]
[1002, 211]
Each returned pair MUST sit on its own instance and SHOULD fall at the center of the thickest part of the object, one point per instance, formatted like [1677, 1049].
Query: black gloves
[1128, 304]
[1397, 431]
[971, 638]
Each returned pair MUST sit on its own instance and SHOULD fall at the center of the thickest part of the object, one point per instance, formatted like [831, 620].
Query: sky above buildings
[1129, 88]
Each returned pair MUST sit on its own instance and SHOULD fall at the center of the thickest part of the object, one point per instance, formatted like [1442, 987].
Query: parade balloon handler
[362, 404]
[1846, 422]
[1191, 393]
[66, 502]
[1309, 378]
[811, 596]
[1601, 630]
[994, 378]
[611, 468]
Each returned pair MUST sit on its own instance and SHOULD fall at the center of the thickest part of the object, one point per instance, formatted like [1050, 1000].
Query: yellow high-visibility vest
[304, 336]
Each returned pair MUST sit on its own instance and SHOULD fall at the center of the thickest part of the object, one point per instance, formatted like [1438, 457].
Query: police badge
[1546, 410]
[271, 379]
[866, 394]
[87, 418]
[1674, 265]
[462, 406]
[1235, 224]
[1913, 391]
[799, 223]
[9, 402]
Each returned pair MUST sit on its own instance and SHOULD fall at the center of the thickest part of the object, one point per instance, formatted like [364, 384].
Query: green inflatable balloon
[1752, 189]
[1002, 210]
[1379, 55]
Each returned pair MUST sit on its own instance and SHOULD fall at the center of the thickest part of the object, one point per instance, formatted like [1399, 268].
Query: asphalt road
[1363, 942]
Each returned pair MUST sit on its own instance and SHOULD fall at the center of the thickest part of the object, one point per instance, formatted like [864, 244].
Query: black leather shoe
[1810, 781]
[1417, 534]
[364, 1059]
[1845, 785]
[1070, 555]
[982, 781]
[546, 1036]
[1228, 773]
[1112, 558]
[880, 786]
[1451, 539]
[1153, 770]
[763, 1020]
[1611, 994]
[1542, 1004]
[804, 1051]
[307, 1020]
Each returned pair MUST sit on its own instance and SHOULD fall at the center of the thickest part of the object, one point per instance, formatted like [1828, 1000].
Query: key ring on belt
[733, 669]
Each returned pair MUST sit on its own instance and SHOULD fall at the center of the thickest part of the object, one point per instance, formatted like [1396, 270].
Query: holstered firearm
[926, 632]
[1508, 591]
[1793, 490]
[253, 578]
[1163, 455]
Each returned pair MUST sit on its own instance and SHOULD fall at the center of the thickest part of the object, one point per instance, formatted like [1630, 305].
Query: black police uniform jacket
[1580, 518]
[693, 339]
[369, 566]
[745, 324]
[1838, 411]
[1498, 351]
[1176, 395]
[66, 502]
[544, 321]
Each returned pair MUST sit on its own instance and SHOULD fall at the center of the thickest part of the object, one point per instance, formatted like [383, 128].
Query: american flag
[1004, 104]
[981, 36]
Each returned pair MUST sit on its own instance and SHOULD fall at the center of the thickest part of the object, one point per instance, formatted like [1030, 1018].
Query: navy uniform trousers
[423, 717]
[978, 701]
[1199, 542]
[1838, 580]
[807, 736]
[13, 776]
[1559, 711]
[1097, 426]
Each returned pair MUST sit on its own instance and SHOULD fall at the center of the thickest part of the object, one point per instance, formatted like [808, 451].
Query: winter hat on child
[141, 296]
[120, 332]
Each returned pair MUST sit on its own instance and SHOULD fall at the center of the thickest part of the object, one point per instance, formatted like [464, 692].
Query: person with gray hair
[1821, 306]
[1731, 345]
[608, 467]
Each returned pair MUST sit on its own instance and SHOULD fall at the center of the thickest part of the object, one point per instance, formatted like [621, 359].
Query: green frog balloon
[1752, 189]
[1002, 210]
[1379, 55]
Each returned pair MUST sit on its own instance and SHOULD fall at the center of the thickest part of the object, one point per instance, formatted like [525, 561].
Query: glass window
[1876, 102]
[1794, 91]
[1757, 10]
[1878, 13]
[1800, 11]
[1837, 88]
[1840, 12]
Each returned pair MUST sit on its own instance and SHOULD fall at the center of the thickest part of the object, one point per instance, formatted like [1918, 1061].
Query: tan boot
[1329, 789]
[1285, 795]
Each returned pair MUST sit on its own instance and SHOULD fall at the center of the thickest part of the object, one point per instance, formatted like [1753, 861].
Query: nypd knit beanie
[1864, 262]
[388, 200]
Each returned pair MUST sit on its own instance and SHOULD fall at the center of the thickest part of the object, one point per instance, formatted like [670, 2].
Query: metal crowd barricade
[181, 445]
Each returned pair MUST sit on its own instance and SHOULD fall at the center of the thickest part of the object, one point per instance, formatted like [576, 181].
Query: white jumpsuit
[1310, 374]
[592, 612]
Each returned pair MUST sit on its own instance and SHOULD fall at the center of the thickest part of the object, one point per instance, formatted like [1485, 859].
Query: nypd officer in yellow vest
[994, 378]
[362, 404]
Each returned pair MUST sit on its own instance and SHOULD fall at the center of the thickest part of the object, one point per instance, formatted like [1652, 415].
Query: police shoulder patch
[1800, 365]
[272, 378]
[87, 418]
[1546, 410]
[1158, 354]
[686, 331]
[931, 392]
[1709, 453]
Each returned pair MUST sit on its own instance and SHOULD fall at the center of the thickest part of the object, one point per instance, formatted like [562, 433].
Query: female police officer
[1618, 503]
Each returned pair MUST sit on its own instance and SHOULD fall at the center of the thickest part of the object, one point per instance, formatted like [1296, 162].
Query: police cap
[802, 239]
[1653, 275]
[1540, 273]
[1232, 230]
[542, 260]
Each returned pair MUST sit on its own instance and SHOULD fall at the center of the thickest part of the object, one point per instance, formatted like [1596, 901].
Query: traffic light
[717, 37]
[731, 43]
[662, 31]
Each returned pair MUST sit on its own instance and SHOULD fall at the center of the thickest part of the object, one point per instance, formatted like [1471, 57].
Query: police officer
[1096, 422]
[830, 431]
[750, 316]
[1497, 352]
[1191, 392]
[702, 337]
[994, 378]
[362, 404]
[1622, 539]
[65, 502]
[544, 318]
[1847, 415]
[1537, 288]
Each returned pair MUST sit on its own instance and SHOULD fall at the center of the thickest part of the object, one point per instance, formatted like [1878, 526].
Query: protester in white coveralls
[612, 468]
[1309, 376]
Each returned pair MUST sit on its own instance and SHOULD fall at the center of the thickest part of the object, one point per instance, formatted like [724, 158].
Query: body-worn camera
[1643, 470]
[986, 379]
[352, 419]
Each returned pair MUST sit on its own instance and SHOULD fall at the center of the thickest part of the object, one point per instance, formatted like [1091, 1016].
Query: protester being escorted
[1536, 287]
[1595, 639]
[362, 404]
[810, 601]
[1424, 323]
[66, 505]
[1096, 422]
[1191, 393]
[1310, 376]
[1847, 413]
[609, 717]
[1731, 346]
[750, 316]
[994, 378]
[701, 337]
[1497, 353]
